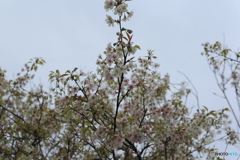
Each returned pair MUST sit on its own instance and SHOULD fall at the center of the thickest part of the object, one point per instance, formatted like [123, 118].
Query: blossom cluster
[120, 8]
[122, 108]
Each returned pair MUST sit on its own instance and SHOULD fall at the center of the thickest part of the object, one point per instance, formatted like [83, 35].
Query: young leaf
[137, 46]
[205, 108]
[63, 75]
[74, 69]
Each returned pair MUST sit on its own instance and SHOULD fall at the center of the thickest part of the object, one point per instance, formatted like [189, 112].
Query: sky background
[69, 34]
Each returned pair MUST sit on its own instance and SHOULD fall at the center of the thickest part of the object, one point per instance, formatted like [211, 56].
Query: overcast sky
[70, 34]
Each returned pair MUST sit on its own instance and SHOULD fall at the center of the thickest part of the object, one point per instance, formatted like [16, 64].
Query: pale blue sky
[70, 34]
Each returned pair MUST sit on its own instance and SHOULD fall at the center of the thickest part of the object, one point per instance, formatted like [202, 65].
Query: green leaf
[74, 69]
[105, 97]
[102, 111]
[84, 130]
[41, 62]
[109, 82]
[205, 108]
[131, 119]
[68, 71]
[225, 52]
[89, 133]
[68, 114]
[137, 46]
[77, 77]
[213, 114]
[67, 109]
[51, 78]
[35, 68]
[123, 29]
[226, 109]
[181, 127]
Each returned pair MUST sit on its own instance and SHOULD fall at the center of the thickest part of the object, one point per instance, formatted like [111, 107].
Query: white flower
[129, 15]
[117, 71]
[133, 50]
[120, 9]
[108, 5]
[109, 48]
[110, 21]
[109, 61]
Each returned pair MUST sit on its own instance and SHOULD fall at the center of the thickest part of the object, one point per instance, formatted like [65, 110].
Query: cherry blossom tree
[125, 110]
[223, 61]
[24, 117]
